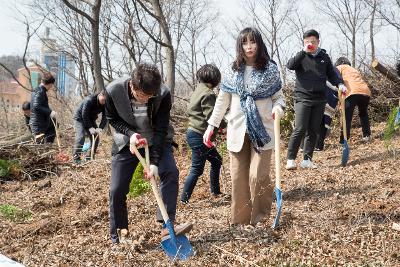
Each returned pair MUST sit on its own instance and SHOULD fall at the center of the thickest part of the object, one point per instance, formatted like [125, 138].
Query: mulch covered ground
[331, 216]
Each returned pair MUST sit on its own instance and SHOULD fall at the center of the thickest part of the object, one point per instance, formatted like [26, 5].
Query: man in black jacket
[138, 108]
[313, 68]
[85, 122]
[42, 117]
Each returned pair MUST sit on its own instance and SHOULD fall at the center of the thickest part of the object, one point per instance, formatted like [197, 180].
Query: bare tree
[349, 16]
[270, 16]
[155, 10]
[94, 20]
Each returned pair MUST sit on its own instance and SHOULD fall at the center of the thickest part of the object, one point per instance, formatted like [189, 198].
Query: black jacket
[40, 111]
[312, 72]
[88, 111]
[159, 107]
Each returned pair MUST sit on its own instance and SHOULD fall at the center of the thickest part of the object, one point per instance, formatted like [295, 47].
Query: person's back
[41, 114]
[358, 96]
[353, 80]
[40, 111]
[88, 111]
[202, 98]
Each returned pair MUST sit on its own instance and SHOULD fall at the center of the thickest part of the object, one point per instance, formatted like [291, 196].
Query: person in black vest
[26, 109]
[139, 107]
[85, 122]
[41, 122]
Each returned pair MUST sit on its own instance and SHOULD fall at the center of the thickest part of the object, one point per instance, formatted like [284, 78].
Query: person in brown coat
[358, 94]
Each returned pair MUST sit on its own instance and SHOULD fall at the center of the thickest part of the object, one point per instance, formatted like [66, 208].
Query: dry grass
[331, 216]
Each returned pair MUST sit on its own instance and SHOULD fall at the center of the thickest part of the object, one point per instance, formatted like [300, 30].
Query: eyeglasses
[139, 94]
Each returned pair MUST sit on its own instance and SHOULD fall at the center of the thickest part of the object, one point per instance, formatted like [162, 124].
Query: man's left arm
[333, 77]
[160, 129]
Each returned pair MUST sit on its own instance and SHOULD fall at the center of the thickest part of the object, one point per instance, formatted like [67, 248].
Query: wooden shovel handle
[94, 138]
[146, 166]
[342, 99]
[57, 135]
[277, 135]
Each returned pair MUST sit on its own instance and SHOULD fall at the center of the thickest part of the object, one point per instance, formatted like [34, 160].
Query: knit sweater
[200, 108]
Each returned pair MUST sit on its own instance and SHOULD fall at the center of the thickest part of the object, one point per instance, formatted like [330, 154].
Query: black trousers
[123, 166]
[308, 117]
[361, 102]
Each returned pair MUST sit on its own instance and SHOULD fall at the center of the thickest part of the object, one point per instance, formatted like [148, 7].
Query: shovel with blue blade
[175, 246]
[346, 148]
[278, 189]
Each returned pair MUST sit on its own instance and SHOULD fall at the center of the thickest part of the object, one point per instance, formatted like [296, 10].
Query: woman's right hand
[207, 136]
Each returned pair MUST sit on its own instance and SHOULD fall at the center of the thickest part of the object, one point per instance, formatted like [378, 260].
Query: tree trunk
[166, 37]
[96, 47]
[371, 30]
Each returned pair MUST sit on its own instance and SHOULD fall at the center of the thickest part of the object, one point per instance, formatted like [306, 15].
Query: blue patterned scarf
[262, 84]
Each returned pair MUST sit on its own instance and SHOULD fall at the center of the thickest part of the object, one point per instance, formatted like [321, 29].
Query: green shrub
[138, 185]
[391, 127]
[9, 167]
[14, 213]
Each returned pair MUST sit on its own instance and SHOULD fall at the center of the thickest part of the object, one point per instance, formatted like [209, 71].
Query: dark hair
[147, 78]
[342, 61]
[398, 67]
[48, 78]
[26, 105]
[209, 73]
[310, 33]
[262, 57]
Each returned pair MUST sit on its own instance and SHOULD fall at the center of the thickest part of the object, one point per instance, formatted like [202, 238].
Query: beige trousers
[251, 186]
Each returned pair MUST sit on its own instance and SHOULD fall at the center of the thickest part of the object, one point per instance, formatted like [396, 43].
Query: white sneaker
[366, 139]
[291, 164]
[307, 164]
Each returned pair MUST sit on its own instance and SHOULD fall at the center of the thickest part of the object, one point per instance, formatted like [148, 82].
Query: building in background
[55, 59]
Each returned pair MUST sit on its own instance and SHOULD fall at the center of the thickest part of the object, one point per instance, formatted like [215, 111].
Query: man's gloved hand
[342, 89]
[92, 131]
[53, 114]
[138, 141]
[152, 172]
[277, 111]
[98, 130]
[207, 136]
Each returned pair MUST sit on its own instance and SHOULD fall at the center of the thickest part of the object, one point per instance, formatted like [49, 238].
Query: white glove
[342, 89]
[98, 130]
[207, 136]
[53, 114]
[137, 141]
[92, 131]
[152, 173]
[277, 112]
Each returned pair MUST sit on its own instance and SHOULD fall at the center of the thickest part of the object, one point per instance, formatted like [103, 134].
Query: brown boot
[180, 229]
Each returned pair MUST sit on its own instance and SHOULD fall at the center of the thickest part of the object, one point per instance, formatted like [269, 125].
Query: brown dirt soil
[332, 216]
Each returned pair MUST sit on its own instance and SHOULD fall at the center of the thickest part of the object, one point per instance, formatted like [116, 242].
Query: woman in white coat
[251, 93]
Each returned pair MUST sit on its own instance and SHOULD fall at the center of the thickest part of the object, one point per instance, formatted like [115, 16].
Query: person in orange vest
[358, 94]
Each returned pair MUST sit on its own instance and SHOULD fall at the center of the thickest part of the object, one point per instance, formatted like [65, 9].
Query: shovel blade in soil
[278, 193]
[345, 153]
[180, 248]
[86, 147]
